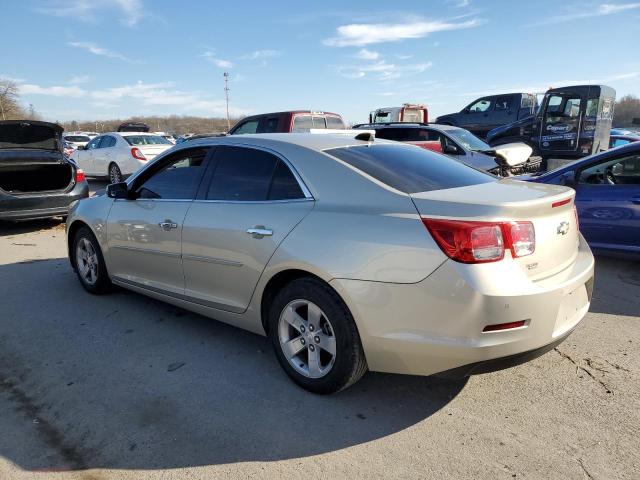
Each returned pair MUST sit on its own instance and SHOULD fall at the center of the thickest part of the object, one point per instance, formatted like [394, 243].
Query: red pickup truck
[287, 122]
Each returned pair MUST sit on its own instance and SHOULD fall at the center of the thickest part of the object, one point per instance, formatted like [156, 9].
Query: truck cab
[487, 113]
[572, 122]
[408, 112]
[287, 122]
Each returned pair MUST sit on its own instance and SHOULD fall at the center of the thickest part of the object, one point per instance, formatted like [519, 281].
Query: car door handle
[168, 225]
[259, 231]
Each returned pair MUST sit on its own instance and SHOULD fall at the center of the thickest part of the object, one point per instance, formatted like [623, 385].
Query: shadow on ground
[126, 382]
[617, 283]
[28, 226]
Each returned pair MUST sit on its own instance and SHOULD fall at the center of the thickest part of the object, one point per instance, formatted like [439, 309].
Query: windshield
[410, 169]
[138, 140]
[468, 140]
[76, 138]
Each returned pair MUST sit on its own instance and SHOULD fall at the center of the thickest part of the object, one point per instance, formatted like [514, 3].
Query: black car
[133, 127]
[487, 113]
[36, 179]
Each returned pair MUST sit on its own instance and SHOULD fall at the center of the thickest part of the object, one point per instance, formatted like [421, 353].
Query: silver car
[351, 253]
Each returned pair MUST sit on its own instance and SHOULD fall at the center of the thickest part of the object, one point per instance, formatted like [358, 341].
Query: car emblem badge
[563, 228]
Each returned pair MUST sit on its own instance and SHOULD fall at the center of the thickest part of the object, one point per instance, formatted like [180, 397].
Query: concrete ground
[123, 386]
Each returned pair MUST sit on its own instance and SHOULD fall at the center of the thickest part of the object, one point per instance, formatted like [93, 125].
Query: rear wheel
[315, 338]
[115, 175]
[89, 262]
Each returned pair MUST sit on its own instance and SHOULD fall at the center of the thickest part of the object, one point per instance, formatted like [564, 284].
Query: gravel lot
[123, 386]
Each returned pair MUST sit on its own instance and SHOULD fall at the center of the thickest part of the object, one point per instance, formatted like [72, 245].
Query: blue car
[607, 189]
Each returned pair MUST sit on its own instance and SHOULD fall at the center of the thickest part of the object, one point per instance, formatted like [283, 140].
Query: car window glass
[284, 185]
[138, 140]
[554, 103]
[334, 122]
[410, 169]
[619, 171]
[618, 142]
[527, 101]
[302, 123]
[241, 174]
[178, 180]
[271, 125]
[503, 102]
[247, 127]
[481, 105]
[93, 143]
[592, 107]
[571, 108]
[108, 141]
[318, 122]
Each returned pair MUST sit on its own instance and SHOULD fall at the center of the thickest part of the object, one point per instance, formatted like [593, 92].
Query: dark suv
[287, 122]
[490, 112]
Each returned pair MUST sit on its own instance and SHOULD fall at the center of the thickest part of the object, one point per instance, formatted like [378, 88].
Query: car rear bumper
[436, 325]
[29, 207]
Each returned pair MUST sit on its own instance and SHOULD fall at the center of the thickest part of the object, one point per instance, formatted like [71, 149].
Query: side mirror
[466, 110]
[450, 150]
[118, 190]
[568, 179]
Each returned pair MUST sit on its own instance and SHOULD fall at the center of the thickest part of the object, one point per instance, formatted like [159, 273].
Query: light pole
[226, 95]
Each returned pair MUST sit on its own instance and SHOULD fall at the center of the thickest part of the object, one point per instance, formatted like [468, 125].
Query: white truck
[408, 113]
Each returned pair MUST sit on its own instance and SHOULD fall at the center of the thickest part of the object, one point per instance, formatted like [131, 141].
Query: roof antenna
[366, 137]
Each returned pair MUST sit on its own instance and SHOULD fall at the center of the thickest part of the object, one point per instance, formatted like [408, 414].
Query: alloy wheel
[87, 261]
[307, 338]
[115, 175]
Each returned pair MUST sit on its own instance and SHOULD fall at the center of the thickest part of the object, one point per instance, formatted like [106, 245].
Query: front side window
[247, 127]
[409, 169]
[178, 179]
[468, 140]
[572, 108]
[302, 123]
[592, 107]
[93, 144]
[619, 171]
[481, 105]
[250, 175]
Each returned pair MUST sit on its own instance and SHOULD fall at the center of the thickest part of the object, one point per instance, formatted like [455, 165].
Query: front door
[477, 116]
[84, 157]
[251, 203]
[144, 234]
[561, 123]
[608, 203]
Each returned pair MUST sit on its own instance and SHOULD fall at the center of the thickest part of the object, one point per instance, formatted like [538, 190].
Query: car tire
[323, 323]
[89, 262]
[115, 175]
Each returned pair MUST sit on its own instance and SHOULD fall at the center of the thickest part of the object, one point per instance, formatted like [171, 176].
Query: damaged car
[37, 180]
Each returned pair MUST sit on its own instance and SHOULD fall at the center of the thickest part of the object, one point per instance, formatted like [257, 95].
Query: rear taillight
[137, 154]
[80, 176]
[481, 242]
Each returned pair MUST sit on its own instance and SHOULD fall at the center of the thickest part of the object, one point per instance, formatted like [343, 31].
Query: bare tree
[627, 110]
[10, 100]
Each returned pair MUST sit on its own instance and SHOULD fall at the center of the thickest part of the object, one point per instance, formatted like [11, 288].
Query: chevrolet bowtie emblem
[563, 228]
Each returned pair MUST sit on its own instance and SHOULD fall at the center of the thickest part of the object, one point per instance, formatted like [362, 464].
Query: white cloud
[130, 11]
[361, 34]
[261, 54]
[602, 10]
[97, 50]
[77, 79]
[365, 54]
[210, 56]
[403, 57]
[382, 70]
[55, 91]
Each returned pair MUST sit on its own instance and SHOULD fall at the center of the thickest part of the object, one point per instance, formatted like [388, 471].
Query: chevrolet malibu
[351, 253]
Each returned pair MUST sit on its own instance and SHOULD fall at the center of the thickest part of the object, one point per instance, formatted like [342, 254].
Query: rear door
[608, 202]
[250, 204]
[144, 235]
[505, 111]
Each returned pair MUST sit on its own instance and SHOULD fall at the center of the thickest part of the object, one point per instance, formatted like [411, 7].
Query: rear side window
[410, 169]
[107, 141]
[335, 122]
[503, 102]
[137, 140]
[251, 175]
[405, 134]
[270, 125]
[302, 123]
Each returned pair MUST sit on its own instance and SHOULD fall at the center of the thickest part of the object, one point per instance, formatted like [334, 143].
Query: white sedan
[117, 155]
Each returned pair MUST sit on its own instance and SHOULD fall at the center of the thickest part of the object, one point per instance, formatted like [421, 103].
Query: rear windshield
[146, 140]
[76, 138]
[26, 135]
[410, 169]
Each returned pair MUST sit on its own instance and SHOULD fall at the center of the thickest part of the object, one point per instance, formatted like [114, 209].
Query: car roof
[313, 141]
[435, 126]
[128, 134]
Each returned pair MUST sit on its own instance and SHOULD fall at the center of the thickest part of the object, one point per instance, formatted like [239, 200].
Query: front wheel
[315, 338]
[89, 262]
[115, 175]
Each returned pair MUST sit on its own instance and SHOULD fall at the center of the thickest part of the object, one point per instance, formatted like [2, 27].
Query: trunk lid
[150, 151]
[548, 207]
[29, 134]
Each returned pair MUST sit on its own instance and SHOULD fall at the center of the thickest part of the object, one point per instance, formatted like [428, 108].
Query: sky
[101, 59]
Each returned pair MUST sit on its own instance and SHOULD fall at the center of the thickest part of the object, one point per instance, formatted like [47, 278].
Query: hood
[511, 154]
[503, 128]
[31, 134]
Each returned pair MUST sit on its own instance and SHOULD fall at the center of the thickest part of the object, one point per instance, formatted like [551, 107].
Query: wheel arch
[71, 233]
